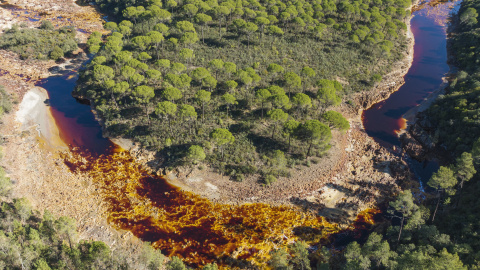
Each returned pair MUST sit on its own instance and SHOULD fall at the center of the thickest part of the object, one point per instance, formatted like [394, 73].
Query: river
[384, 120]
[77, 124]
[181, 223]
[177, 222]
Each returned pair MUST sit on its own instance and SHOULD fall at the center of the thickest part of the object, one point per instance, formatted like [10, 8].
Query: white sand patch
[28, 109]
[194, 179]
[331, 196]
[34, 112]
[211, 186]
[6, 19]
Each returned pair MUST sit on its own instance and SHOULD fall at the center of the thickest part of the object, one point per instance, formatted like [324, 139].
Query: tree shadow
[240, 128]
[231, 36]
[214, 43]
[119, 129]
[171, 156]
[141, 130]
[266, 144]
[240, 263]
[236, 112]
[305, 233]
[131, 113]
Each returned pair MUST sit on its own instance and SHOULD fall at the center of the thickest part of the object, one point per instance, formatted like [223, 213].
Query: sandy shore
[34, 112]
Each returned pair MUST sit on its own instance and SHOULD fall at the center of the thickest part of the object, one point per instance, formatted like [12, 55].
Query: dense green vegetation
[456, 114]
[43, 43]
[240, 79]
[31, 241]
[436, 232]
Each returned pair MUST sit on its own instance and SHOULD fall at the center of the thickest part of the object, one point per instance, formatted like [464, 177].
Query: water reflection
[425, 75]
[77, 124]
[383, 121]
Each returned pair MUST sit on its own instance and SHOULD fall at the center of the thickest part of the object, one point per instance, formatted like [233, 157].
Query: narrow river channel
[199, 231]
[384, 120]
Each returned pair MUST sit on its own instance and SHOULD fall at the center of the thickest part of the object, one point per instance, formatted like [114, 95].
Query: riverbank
[31, 139]
[356, 173]
[34, 114]
[418, 138]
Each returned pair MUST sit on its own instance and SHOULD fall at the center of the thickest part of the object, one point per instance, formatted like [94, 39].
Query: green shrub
[37, 43]
[336, 120]
[56, 53]
[5, 101]
[270, 179]
[46, 25]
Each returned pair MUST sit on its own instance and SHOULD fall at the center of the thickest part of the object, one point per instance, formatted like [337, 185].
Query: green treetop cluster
[171, 74]
[455, 115]
[434, 232]
[42, 43]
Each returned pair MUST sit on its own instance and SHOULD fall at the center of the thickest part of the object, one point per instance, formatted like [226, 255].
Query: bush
[38, 43]
[56, 54]
[5, 102]
[5, 184]
[336, 120]
[46, 25]
[376, 78]
[176, 264]
[270, 179]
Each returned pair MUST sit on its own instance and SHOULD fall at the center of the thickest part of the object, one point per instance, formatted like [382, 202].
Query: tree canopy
[232, 62]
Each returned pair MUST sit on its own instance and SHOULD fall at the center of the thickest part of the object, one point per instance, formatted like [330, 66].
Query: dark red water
[384, 119]
[77, 124]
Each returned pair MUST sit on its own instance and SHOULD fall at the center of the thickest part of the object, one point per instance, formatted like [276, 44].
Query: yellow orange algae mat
[183, 224]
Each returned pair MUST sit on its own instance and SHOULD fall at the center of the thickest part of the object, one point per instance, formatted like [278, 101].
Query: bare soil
[31, 147]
